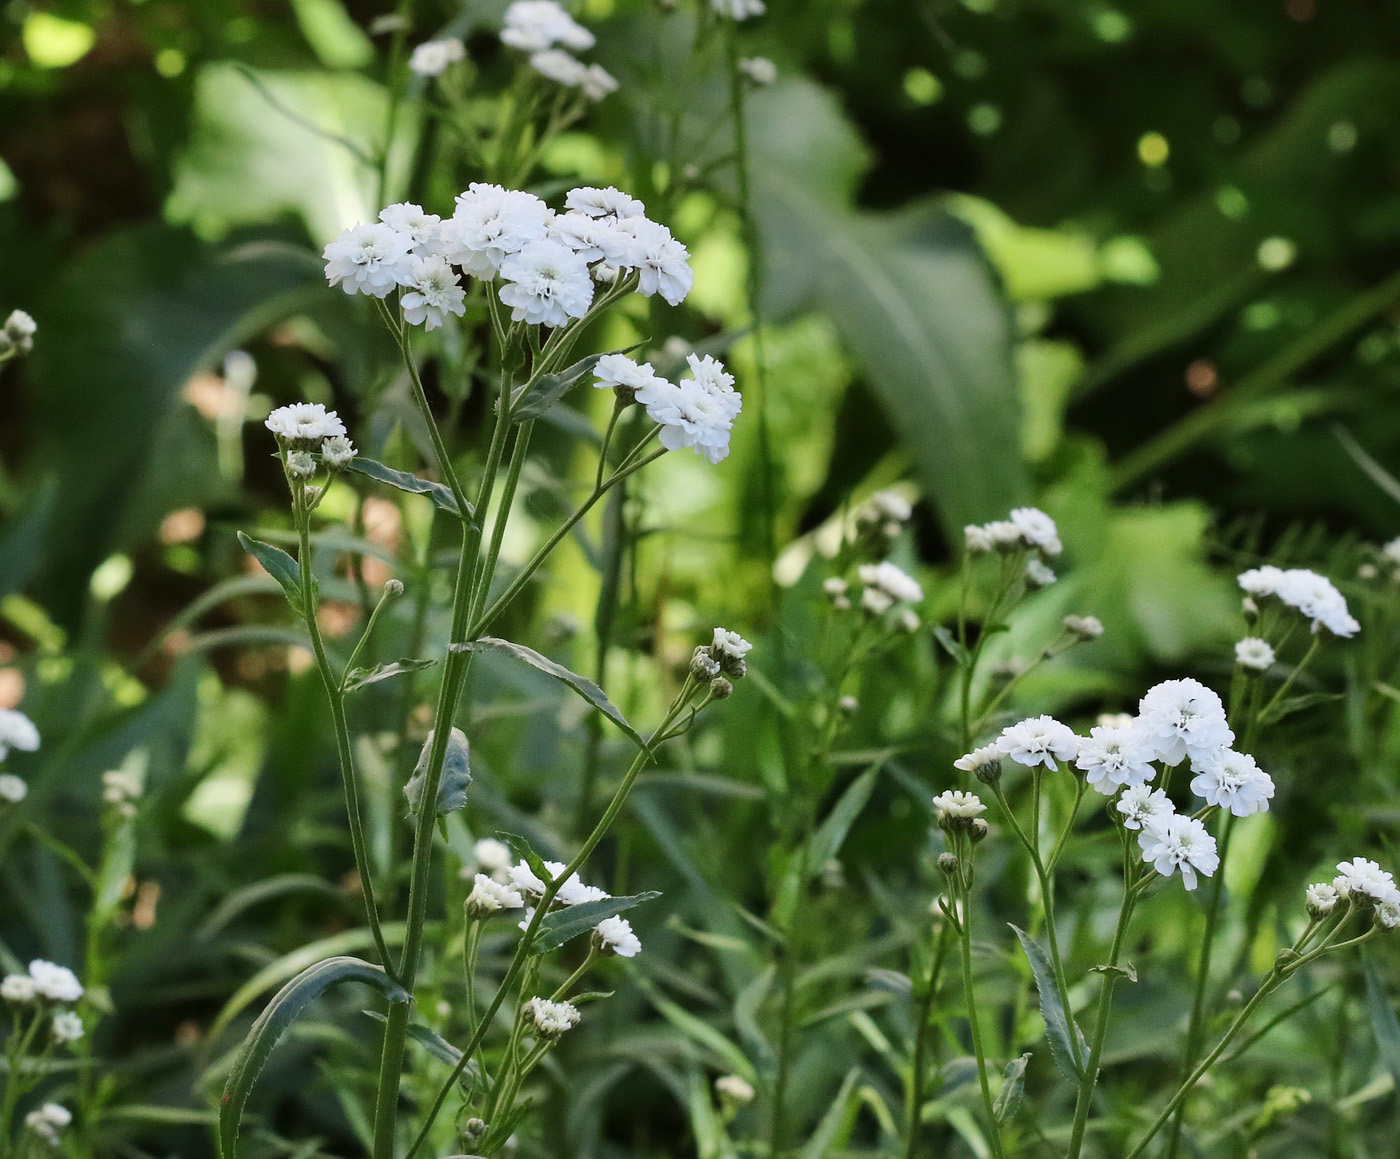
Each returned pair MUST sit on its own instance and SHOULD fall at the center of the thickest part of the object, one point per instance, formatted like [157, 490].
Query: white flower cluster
[17, 731]
[550, 1019]
[301, 425]
[612, 935]
[17, 335]
[697, 411]
[1361, 882]
[547, 262]
[1025, 528]
[121, 789]
[886, 585]
[738, 9]
[551, 36]
[45, 981]
[434, 57]
[1309, 593]
[48, 1122]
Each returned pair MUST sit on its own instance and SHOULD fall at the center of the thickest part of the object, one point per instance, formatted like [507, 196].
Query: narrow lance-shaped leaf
[827, 841]
[580, 684]
[278, 564]
[1384, 1024]
[1058, 1024]
[1013, 1085]
[550, 388]
[456, 775]
[358, 678]
[568, 923]
[439, 494]
[285, 1006]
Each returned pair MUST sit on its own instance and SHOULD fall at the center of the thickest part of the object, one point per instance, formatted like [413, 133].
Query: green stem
[914, 1112]
[1264, 713]
[974, 1023]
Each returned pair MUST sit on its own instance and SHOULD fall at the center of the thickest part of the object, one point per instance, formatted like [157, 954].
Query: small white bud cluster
[550, 1019]
[1084, 627]
[304, 426]
[45, 982]
[48, 1122]
[551, 36]
[1026, 528]
[17, 336]
[723, 660]
[883, 515]
[121, 789]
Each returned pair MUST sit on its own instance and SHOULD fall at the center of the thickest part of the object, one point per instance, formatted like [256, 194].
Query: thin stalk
[1265, 712]
[577, 974]
[974, 1022]
[914, 1112]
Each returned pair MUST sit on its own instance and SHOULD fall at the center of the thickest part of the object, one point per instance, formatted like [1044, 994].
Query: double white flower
[1313, 595]
[696, 412]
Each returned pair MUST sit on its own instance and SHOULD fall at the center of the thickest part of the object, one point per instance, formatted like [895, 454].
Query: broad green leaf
[1013, 1085]
[279, 565]
[437, 492]
[1058, 1025]
[456, 775]
[827, 840]
[358, 678]
[565, 924]
[580, 684]
[1384, 1024]
[289, 1002]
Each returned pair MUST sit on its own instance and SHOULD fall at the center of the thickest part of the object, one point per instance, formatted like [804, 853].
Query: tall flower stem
[924, 1014]
[970, 995]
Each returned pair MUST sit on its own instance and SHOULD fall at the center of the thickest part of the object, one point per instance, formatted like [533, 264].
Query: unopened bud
[948, 863]
[1285, 958]
[988, 773]
[473, 1129]
[848, 706]
[1249, 609]
[979, 830]
[720, 688]
[393, 588]
[703, 666]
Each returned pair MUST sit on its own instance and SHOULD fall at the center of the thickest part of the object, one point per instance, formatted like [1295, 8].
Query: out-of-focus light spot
[1202, 379]
[241, 29]
[1232, 202]
[182, 526]
[1276, 253]
[984, 120]
[1153, 150]
[1373, 348]
[1257, 92]
[1226, 130]
[9, 187]
[1300, 10]
[841, 41]
[1342, 136]
[981, 7]
[53, 42]
[170, 62]
[922, 87]
[11, 687]
[969, 64]
[1111, 26]
[1129, 261]
[110, 578]
[1261, 316]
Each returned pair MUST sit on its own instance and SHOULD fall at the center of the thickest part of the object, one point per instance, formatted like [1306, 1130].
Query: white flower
[12, 788]
[738, 9]
[546, 284]
[891, 581]
[421, 228]
[1111, 757]
[620, 373]
[615, 936]
[1311, 594]
[338, 451]
[304, 421]
[1184, 718]
[607, 202]
[758, 70]
[729, 645]
[20, 324]
[489, 224]
[1036, 529]
[977, 539]
[1115, 719]
[48, 1121]
[1321, 899]
[1388, 913]
[17, 731]
[696, 412]
[979, 759]
[432, 57]
[433, 292]
[890, 505]
[597, 82]
[550, 1019]
[367, 259]
[661, 262]
[1038, 575]
[67, 1027]
[491, 855]
[735, 1088]
[1085, 627]
[526, 880]
[121, 787]
[1038, 740]
[557, 65]
[594, 239]
[18, 988]
[300, 464]
[1365, 879]
[1391, 550]
[956, 803]
[1261, 581]
[570, 892]
[534, 25]
[1234, 781]
[489, 897]
[1143, 805]
[57, 983]
[1181, 843]
[1004, 534]
[1254, 653]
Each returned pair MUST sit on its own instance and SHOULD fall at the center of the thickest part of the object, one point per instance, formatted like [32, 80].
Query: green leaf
[1013, 1085]
[1128, 971]
[580, 684]
[1384, 1023]
[439, 494]
[1058, 1024]
[550, 388]
[949, 644]
[279, 565]
[285, 1006]
[456, 775]
[826, 842]
[358, 678]
[437, 1046]
[839, 1114]
[565, 924]
[115, 872]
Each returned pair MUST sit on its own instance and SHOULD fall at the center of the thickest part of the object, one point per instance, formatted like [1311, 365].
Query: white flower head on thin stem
[554, 64]
[890, 584]
[1388, 913]
[1254, 654]
[56, 983]
[1039, 740]
[1114, 757]
[48, 1122]
[432, 292]
[977, 540]
[535, 25]
[1005, 535]
[1036, 529]
[606, 202]
[422, 229]
[434, 57]
[1313, 595]
[67, 1027]
[489, 224]
[13, 790]
[594, 239]
[758, 71]
[983, 763]
[957, 809]
[614, 936]
[731, 652]
[1038, 575]
[1142, 805]
[1363, 881]
[1180, 844]
[1234, 781]
[1083, 627]
[491, 855]
[597, 83]
[1184, 719]
[550, 1019]
[20, 324]
[489, 896]
[17, 731]
[304, 422]
[626, 377]
[735, 1089]
[368, 259]
[739, 9]
[337, 451]
[18, 989]
[1320, 899]
[662, 263]
[696, 412]
[546, 284]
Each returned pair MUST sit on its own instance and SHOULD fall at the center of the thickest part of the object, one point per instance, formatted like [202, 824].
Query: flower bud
[734, 1089]
[1286, 958]
[989, 772]
[313, 494]
[979, 830]
[473, 1129]
[703, 666]
[720, 688]
[1084, 627]
[948, 863]
[1249, 609]
[848, 706]
[393, 588]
